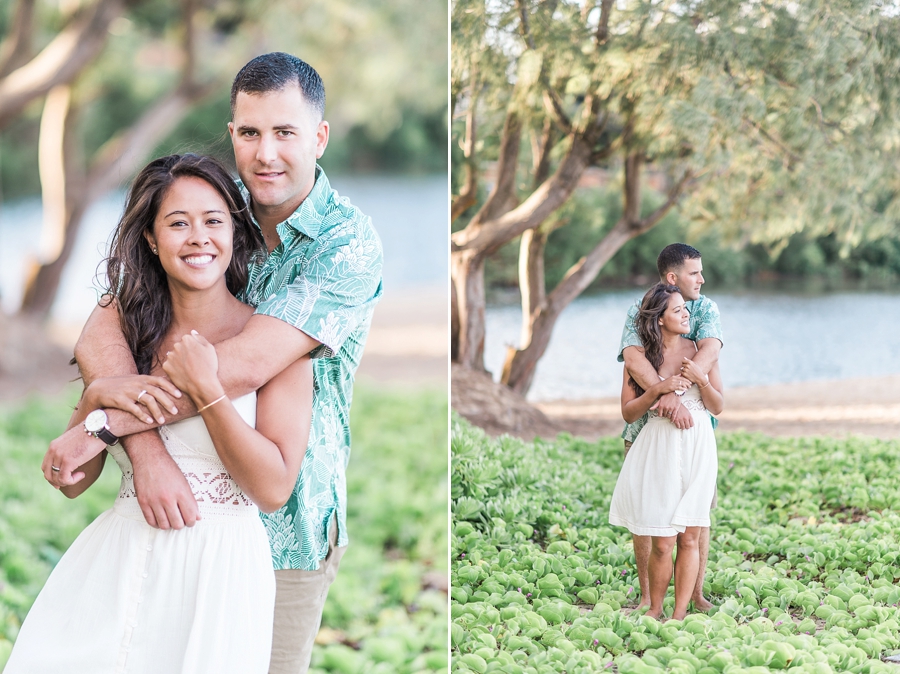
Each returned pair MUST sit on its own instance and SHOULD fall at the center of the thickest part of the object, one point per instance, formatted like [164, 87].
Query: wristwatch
[96, 425]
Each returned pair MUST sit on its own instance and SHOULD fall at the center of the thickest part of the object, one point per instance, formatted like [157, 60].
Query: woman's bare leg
[660, 572]
[642, 546]
[687, 562]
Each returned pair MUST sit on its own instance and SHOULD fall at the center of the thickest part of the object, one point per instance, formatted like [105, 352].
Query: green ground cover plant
[803, 566]
[384, 613]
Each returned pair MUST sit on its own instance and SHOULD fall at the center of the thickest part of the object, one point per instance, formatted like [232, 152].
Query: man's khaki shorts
[715, 501]
[299, 600]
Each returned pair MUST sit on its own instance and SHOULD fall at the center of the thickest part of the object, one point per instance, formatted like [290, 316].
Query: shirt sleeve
[708, 323]
[629, 333]
[336, 290]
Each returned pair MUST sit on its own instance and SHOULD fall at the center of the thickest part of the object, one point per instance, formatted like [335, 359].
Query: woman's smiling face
[193, 236]
[676, 318]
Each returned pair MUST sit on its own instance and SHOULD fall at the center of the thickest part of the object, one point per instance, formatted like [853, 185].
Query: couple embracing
[671, 388]
[219, 369]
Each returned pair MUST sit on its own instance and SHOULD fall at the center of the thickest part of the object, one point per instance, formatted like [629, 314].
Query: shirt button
[149, 547]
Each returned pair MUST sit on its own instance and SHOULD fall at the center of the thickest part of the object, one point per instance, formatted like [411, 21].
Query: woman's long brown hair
[646, 324]
[136, 280]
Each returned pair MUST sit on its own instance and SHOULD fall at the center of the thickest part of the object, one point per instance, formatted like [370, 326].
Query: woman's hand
[136, 394]
[673, 384]
[692, 371]
[193, 366]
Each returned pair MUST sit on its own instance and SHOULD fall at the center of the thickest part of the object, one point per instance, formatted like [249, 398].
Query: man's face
[689, 278]
[277, 138]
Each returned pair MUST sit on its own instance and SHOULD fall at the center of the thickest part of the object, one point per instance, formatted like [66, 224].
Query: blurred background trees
[580, 126]
[91, 89]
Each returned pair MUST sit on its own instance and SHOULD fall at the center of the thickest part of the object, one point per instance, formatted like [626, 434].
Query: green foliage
[781, 112]
[397, 492]
[384, 66]
[807, 258]
[802, 569]
[383, 602]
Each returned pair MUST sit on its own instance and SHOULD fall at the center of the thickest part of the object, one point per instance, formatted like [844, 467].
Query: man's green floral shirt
[705, 322]
[324, 278]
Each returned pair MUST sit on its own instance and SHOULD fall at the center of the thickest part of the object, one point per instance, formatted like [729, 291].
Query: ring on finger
[140, 394]
[54, 469]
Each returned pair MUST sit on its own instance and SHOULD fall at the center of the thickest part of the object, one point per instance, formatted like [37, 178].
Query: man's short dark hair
[673, 256]
[275, 71]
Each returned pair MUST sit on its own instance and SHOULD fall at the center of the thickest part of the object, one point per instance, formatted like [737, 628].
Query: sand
[407, 347]
[866, 406]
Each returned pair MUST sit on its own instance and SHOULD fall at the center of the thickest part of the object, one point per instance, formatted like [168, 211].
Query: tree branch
[469, 192]
[59, 62]
[603, 25]
[17, 47]
[488, 235]
[503, 196]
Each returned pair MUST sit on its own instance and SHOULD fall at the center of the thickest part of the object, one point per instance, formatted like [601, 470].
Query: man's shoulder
[704, 303]
[343, 221]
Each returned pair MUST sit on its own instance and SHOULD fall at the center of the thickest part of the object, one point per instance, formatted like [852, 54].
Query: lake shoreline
[865, 406]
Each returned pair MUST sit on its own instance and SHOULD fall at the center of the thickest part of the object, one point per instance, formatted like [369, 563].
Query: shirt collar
[307, 219]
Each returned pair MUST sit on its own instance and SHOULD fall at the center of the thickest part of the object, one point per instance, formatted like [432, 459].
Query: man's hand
[162, 490]
[69, 451]
[670, 406]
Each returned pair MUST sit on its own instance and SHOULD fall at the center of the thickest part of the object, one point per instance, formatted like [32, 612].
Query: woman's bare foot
[654, 614]
[678, 615]
[644, 603]
[701, 604]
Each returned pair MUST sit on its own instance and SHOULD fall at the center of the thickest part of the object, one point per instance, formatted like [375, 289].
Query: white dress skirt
[130, 599]
[668, 479]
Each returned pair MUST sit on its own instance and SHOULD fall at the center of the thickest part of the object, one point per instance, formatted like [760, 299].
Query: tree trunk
[537, 329]
[534, 300]
[119, 156]
[467, 272]
[472, 245]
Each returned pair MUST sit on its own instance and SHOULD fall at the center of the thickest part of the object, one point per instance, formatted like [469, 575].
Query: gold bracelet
[700, 387]
[211, 404]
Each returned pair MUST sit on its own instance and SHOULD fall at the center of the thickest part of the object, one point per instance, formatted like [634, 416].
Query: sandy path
[407, 346]
[869, 406]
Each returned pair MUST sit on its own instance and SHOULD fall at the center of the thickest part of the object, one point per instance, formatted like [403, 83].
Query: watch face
[95, 421]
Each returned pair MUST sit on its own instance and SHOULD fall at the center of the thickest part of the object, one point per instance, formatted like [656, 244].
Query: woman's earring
[154, 251]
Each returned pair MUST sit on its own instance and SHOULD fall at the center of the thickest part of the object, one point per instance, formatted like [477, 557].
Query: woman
[130, 598]
[668, 478]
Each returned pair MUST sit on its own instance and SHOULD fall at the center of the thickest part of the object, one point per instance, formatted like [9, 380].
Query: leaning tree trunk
[537, 330]
[482, 238]
[121, 155]
[533, 291]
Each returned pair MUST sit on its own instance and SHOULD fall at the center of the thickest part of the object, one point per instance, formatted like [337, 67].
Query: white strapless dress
[668, 479]
[130, 599]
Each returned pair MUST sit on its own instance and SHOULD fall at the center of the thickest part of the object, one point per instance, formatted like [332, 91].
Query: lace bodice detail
[691, 399]
[191, 447]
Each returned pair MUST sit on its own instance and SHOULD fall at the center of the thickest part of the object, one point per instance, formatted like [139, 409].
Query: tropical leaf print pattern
[324, 278]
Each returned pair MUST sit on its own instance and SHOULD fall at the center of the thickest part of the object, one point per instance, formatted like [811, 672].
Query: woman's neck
[214, 312]
[671, 340]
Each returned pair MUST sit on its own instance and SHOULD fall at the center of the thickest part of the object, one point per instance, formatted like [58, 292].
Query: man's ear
[671, 278]
[321, 138]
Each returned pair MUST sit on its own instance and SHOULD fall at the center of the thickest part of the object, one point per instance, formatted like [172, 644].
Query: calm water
[769, 339]
[410, 214]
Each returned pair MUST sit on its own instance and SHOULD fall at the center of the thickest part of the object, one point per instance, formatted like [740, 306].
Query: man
[314, 293]
[679, 265]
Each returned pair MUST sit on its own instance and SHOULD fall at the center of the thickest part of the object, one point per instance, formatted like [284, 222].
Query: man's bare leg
[700, 602]
[642, 546]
